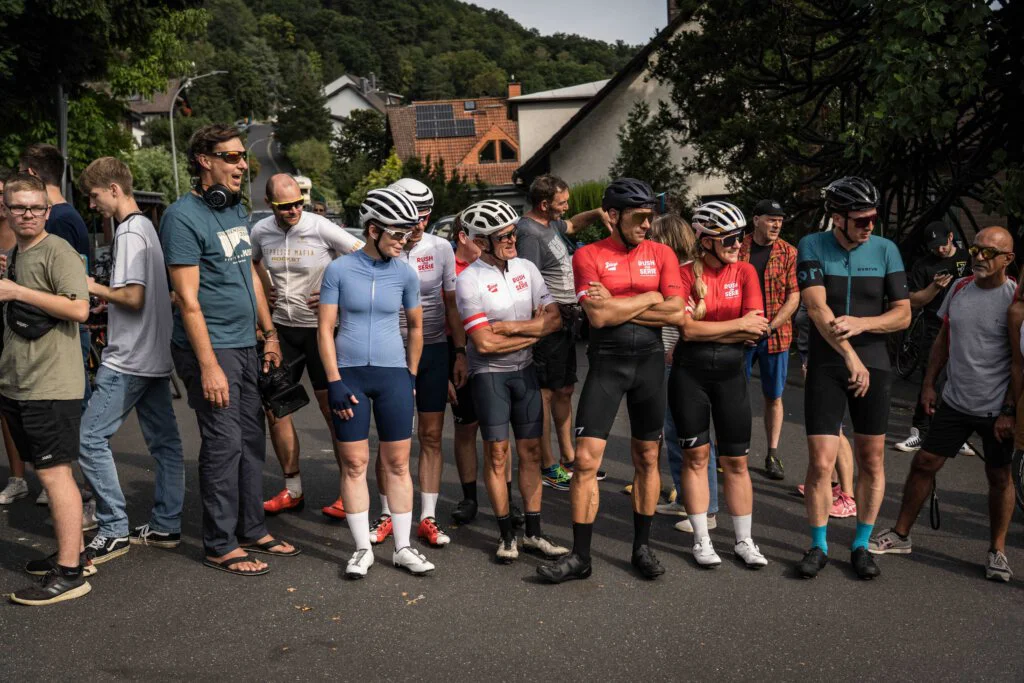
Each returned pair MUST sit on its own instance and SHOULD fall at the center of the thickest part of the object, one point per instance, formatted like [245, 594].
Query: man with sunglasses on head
[505, 308]
[855, 290]
[974, 346]
[213, 345]
[290, 250]
[629, 288]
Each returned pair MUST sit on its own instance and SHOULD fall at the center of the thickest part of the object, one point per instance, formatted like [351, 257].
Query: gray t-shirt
[544, 246]
[139, 342]
[979, 347]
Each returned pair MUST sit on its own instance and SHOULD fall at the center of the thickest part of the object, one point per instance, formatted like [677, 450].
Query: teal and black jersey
[861, 282]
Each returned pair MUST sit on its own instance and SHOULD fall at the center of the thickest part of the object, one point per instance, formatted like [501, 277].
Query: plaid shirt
[779, 283]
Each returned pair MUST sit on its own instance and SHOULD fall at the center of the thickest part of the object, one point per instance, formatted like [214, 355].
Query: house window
[469, 105]
[488, 154]
[508, 152]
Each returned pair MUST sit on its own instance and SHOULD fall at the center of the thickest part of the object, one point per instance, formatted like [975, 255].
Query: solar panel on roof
[438, 121]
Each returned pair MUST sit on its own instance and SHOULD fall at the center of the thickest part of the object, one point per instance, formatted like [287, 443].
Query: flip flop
[267, 548]
[228, 566]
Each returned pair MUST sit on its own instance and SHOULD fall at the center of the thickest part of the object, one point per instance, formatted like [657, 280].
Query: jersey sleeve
[330, 288]
[410, 289]
[448, 270]
[68, 274]
[810, 270]
[686, 284]
[469, 302]
[943, 311]
[895, 275]
[670, 284]
[539, 289]
[338, 239]
[130, 254]
[584, 271]
[181, 243]
[751, 295]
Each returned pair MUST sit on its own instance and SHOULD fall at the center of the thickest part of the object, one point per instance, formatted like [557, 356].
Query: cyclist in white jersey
[291, 249]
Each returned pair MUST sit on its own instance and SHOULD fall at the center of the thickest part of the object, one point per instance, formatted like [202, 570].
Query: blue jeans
[675, 462]
[85, 338]
[115, 395]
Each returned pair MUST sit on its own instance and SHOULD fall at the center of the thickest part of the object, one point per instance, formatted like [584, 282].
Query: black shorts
[950, 428]
[462, 410]
[713, 389]
[45, 432]
[826, 397]
[432, 379]
[302, 341]
[502, 398]
[554, 357]
[641, 379]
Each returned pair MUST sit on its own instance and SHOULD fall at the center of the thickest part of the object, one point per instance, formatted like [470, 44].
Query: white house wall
[343, 103]
[538, 121]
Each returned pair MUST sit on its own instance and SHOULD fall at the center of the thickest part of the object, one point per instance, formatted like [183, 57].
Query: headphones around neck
[217, 196]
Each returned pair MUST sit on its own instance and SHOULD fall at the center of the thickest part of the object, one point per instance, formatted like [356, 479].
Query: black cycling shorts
[554, 357]
[950, 428]
[45, 432]
[640, 378]
[501, 398]
[302, 341]
[462, 410]
[708, 384]
[826, 397]
[432, 379]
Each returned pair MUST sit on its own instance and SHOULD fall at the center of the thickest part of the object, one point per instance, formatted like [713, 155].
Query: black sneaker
[53, 587]
[103, 548]
[518, 518]
[44, 566]
[143, 535]
[864, 564]
[773, 468]
[572, 566]
[646, 562]
[813, 562]
[465, 511]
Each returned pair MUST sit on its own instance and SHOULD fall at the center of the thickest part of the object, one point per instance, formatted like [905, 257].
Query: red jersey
[649, 267]
[733, 290]
[460, 266]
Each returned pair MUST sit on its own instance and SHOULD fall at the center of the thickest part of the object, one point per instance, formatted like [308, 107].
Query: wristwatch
[1008, 410]
[460, 349]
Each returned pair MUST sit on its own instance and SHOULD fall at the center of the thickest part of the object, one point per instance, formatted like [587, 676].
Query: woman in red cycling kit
[707, 381]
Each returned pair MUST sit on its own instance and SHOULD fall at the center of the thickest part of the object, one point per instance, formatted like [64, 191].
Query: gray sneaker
[998, 568]
[889, 542]
[544, 546]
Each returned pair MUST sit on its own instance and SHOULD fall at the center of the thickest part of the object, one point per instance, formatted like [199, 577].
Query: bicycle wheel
[1018, 478]
[908, 356]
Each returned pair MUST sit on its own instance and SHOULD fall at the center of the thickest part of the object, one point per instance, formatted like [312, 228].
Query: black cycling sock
[581, 535]
[505, 527]
[641, 529]
[533, 524]
[469, 491]
[772, 452]
[70, 572]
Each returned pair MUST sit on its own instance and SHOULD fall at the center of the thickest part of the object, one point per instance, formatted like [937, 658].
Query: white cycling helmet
[487, 217]
[419, 193]
[389, 208]
[717, 219]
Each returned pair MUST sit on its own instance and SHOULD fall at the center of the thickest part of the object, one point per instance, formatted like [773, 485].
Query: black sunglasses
[508, 236]
[864, 221]
[229, 157]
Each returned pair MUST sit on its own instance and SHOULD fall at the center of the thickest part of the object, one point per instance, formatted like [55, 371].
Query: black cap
[936, 234]
[768, 207]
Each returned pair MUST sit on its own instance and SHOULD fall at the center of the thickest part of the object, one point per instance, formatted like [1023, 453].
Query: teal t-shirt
[193, 234]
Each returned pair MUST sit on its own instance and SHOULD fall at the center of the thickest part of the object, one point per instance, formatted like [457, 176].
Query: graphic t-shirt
[545, 247]
[923, 273]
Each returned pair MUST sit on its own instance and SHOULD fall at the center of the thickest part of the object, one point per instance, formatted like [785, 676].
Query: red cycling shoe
[283, 502]
[335, 510]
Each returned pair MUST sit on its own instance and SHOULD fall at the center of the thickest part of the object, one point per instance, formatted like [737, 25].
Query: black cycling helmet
[628, 193]
[850, 194]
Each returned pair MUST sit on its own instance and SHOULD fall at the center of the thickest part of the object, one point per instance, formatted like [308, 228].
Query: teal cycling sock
[818, 538]
[863, 535]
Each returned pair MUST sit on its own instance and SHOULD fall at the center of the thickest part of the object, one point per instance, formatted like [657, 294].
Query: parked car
[443, 227]
[256, 216]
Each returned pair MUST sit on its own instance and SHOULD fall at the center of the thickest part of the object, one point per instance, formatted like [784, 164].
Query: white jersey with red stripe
[486, 294]
[433, 259]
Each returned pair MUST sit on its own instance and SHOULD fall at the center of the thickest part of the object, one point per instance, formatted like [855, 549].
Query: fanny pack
[28, 321]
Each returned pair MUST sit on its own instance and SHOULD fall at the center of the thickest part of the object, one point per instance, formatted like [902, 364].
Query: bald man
[291, 249]
[975, 347]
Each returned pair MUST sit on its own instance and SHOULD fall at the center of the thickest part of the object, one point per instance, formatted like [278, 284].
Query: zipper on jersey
[369, 327]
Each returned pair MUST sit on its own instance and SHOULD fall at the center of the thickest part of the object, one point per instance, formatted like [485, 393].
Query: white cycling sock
[384, 509]
[428, 504]
[741, 525]
[359, 525]
[402, 522]
[700, 526]
[294, 485]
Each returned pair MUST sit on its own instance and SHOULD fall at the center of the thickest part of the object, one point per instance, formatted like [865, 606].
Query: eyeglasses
[288, 206]
[985, 253]
[863, 222]
[508, 237]
[397, 235]
[229, 157]
[24, 210]
[637, 218]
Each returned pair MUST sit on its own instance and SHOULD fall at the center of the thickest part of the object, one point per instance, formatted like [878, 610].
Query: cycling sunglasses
[863, 222]
[637, 218]
[229, 157]
[986, 253]
[508, 236]
[288, 206]
[729, 241]
[397, 235]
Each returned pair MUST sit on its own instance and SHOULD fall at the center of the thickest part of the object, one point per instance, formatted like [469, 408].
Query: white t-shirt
[139, 342]
[433, 259]
[296, 259]
[488, 295]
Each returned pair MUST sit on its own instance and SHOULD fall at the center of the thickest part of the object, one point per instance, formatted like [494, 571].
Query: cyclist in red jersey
[629, 288]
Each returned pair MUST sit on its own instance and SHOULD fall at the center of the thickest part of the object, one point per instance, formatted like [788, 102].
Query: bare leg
[325, 410]
[355, 457]
[395, 457]
[822, 451]
[561, 413]
[870, 457]
[1000, 504]
[917, 488]
[285, 441]
[583, 490]
[465, 451]
[844, 465]
[66, 508]
[496, 463]
[773, 417]
[15, 461]
[530, 487]
[431, 462]
[547, 457]
[739, 492]
[646, 477]
[694, 477]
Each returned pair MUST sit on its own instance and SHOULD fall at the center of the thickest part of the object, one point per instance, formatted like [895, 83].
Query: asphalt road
[268, 151]
[157, 614]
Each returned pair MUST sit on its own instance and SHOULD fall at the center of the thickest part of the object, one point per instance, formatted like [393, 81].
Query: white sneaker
[673, 508]
[508, 551]
[43, 499]
[750, 554]
[89, 521]
[704, 553]
[911, 443]
[688, 528]
[545, 546]
[412, 560]
[359, 563]
[16, 488]
[967, 450]
[998, 567]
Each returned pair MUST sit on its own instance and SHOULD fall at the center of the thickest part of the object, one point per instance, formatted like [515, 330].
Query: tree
[152, 170]
[644, 152]
[311, 158]
[362, 135]
[452, 191]
[378, 177]
[304, 113]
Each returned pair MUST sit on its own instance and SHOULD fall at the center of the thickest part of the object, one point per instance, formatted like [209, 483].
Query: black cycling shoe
[864, 564]
[646, 562]
[518, 518]
[465, 511]
[813, 562]
[773, 468]
[571, 566]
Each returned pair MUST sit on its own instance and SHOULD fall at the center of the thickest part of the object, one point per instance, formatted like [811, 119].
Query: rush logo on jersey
[520, 282]
[425, 263]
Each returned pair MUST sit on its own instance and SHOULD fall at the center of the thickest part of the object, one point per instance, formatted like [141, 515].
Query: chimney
[373, 81]
[673, 10]
[364, 85]
[514, 89]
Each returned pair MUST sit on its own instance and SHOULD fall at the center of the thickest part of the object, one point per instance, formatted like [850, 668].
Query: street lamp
[170, 115]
